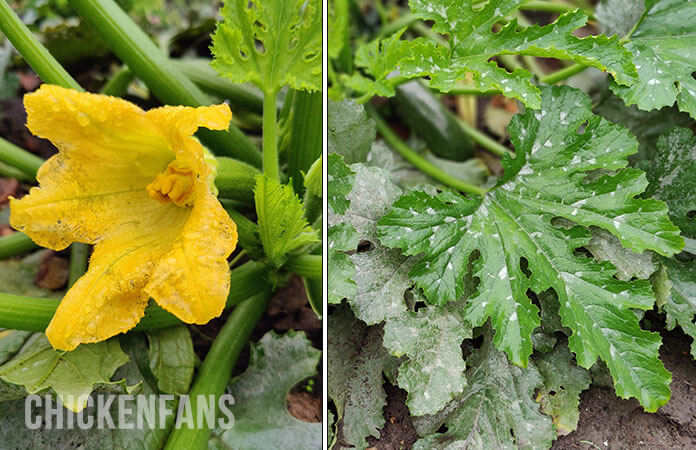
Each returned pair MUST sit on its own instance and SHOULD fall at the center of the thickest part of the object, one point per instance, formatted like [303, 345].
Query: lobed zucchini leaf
[472, 44]
[663, 45]
[283, 227]
[558, 172]
[271, 43]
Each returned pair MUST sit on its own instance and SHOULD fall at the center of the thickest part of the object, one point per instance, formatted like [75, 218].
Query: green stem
[34, 314]
[462, 89]
[19, 158]
[15, 244]
[406, 20]
[417, 160]
[200, 72]
[8, 171]
[425, 31]
[236, 180]
[168, 84]
[305, 137]
[554, 8]
[483, 140]
[117, 86]
[35, 54]
[216, 370]
[562, 74]
[306, 265]
[270, 140]
[78, 261]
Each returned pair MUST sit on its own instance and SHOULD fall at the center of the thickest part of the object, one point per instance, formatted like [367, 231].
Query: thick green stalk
[171, 86]
[483, 139]
[35, 54]
[17, 157]
[200, 72]
[236, 180]
[34, 314]
[562, 74]
[216, 370]
[15, 244]
[270, 139]
[308, 266]
[78, 261]
[417, 160]
[306, 136]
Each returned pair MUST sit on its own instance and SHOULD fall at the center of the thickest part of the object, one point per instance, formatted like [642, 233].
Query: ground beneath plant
[606, 421]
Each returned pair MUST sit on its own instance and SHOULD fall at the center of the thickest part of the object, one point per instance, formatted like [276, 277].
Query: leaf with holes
[496, 410]
[563, 382]
[271, 43]
[472, 44]
[554, 175]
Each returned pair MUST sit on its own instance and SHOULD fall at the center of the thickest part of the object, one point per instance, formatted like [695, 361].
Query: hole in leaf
[443, 429]
[365, 246]
[302, 401]
[552, 393]
[310, 56]
[582, 252]
[582, 127]
[512, 433]
[293, 43]
[419, 305]
[524, 267]
[691, 214]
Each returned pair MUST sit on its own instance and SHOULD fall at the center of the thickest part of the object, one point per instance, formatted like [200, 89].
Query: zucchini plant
[500, 282]
[165, 215]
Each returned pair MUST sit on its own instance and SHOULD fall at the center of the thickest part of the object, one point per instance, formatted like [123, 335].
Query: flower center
[176, 184]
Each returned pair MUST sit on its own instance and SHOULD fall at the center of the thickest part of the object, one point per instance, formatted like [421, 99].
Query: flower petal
[96, 183]
[192, 280]
[109, 298]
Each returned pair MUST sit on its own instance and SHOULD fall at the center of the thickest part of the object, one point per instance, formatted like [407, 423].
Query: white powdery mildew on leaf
[472, 45]
[508, 225]
[432, 339]
[663, 47]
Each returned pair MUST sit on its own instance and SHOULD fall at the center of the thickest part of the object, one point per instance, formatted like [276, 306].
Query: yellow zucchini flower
[136, 185]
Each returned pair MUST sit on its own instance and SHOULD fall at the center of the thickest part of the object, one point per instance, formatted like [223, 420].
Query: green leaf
[339, 183]
[283, 227]
[350, 131]
[356, 361]
[680, 305]
[559, 396]
[14, 433]
[673, 177]
[172, 359]
[604, 246]
[514, 221]
[261, 420]
[662, 46]
[618, 16]
[341, 237]
[10, 342]
[72, 375]
[432, 339]
[272, 43]
[472, 43]
[647, 126]
[496, 410]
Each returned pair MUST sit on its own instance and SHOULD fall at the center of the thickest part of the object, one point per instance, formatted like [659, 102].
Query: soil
[606, 421]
